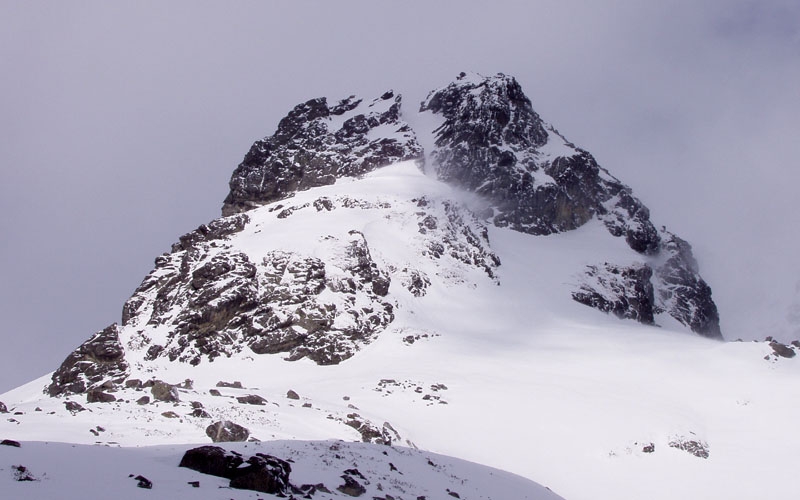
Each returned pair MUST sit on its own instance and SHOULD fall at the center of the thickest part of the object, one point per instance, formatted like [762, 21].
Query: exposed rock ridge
[211, 300]
[208, 298]
[317, 143]
[493, 143]
[97, 363]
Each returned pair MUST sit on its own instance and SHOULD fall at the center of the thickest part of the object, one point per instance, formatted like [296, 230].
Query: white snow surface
[506, 372]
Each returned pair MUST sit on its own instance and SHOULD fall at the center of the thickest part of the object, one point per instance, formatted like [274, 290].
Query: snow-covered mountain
[419, 279]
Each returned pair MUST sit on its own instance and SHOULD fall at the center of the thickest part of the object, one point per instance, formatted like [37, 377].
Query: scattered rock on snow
[73, 407]
[351, 487]
[292, 395]
[231, 385]
[696, 447]
[21, 473]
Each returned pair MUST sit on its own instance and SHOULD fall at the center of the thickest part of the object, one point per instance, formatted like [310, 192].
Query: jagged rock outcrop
[492, 142]
[317, 143]
[624, 291]
[98, 362]
[214, 301]
[681, 291]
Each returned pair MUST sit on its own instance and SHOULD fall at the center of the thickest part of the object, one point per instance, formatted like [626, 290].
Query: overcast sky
[121, 122]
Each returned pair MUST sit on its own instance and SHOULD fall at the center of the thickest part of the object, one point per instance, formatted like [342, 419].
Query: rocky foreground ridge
[214, 295]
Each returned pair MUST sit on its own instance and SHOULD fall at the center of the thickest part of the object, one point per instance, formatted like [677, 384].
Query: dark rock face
[225, 302]
[3, 408]
[317, 143]
[100, 361]
[492, 142]
[10, 442]
[227, 431]
[263, 472]
[681, 291]
[624, 291]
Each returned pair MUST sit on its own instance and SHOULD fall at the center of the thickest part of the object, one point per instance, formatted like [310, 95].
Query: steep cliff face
[98, 363]
[317, 143]
[492, 142]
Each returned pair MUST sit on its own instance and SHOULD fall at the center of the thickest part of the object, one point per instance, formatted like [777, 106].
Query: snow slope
[502, 370]
[60, 470]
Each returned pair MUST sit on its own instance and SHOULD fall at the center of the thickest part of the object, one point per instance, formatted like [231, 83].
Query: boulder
[252, 399]
[351, 487]
[163, 391]
[260, 472]
[232, 385]
[143, 482]
[98, 396]
[264, 473]
[73, 407]
[227, 431]
[782, 350]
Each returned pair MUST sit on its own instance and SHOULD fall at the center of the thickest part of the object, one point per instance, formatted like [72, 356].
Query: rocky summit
[317, 143]
[295, 268]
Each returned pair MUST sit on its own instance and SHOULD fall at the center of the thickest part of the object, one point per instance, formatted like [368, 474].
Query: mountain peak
[317, 143]
[318, 269]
